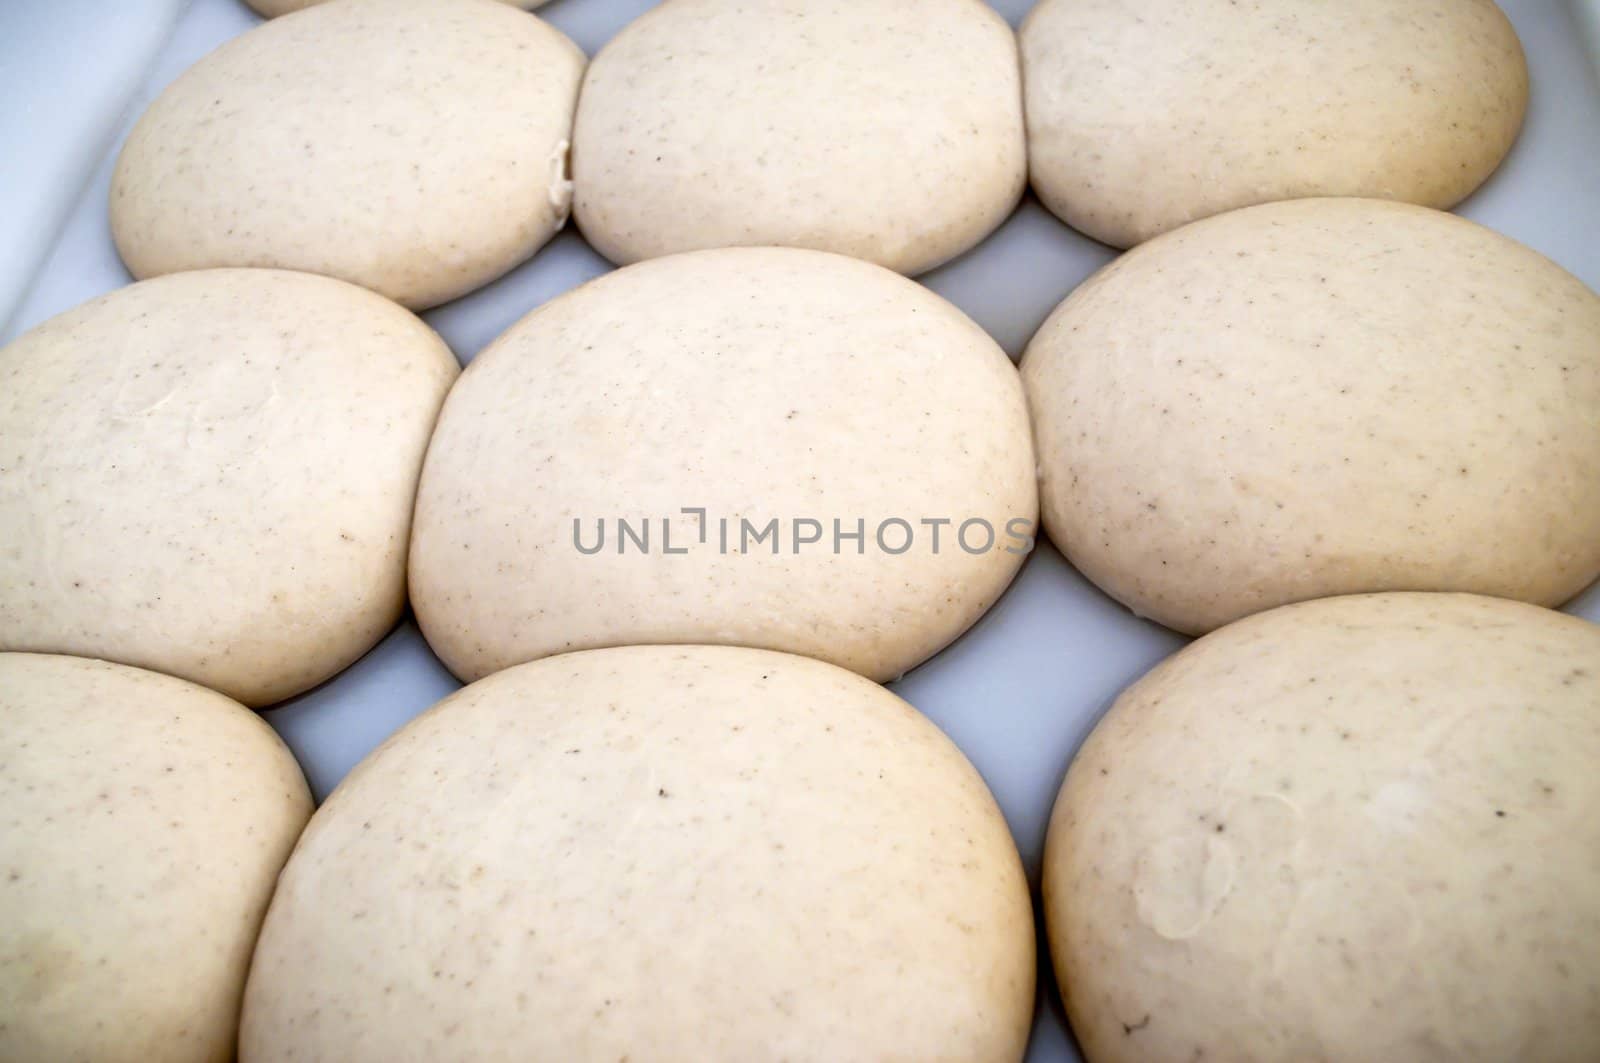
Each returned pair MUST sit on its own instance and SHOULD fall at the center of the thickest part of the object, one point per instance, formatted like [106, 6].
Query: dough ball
[875, 128]
[211, 475]
[145, 821]
[654, 852]
[755, 385]
[1145, 116]
[274, 8]
[413, 147]
[1353, 829]
[1321, 397]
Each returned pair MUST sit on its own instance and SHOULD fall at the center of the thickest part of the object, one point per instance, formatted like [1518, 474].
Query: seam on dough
[560, 183]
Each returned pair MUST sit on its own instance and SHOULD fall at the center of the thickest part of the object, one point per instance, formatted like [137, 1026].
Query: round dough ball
[211, 475]
[413, 147]
[756, 385]
[658, 852]
[1354, 829]
[274, 8]
[875, 128]
[145, 823]
[1143, 117]
[1321, 397]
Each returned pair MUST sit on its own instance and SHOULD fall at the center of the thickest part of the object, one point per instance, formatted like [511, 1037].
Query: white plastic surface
[1020, 691]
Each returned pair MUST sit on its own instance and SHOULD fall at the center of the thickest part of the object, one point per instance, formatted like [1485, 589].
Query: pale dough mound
[1321, 397]
[672, 853]
[753, 384]
[1361, 828]
[211, 475]
[1144, 116]
[145, 821]
[413, 147]
[886, 130]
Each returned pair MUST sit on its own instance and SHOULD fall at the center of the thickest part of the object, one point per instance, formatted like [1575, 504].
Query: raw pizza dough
[274, 8]
[145, 821]
[413, 147]
[704, 853]
[875, 128]
[1144, 116]
[1358, 829]
[1321, 397]
[211, 475]
[754, 385]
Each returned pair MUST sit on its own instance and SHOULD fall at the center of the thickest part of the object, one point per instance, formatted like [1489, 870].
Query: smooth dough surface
[654, 852]
[1360, 828]
[274, 8]
[1145, 116]
[144, 823]
[211, 475]
[1321, 397]
[875, 128]
[756, 384]
[413, 147]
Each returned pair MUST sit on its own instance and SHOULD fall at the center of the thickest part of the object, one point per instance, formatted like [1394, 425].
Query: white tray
[1017, 693]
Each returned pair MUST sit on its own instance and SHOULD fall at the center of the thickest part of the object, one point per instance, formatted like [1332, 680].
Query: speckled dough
[274, 8]
[1321, 397]
[1354, 829]
[756, 384]
[665, 853]
[211, 475]
[1145, 116]
[886, 130]
[145, 823]
[413, 147]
